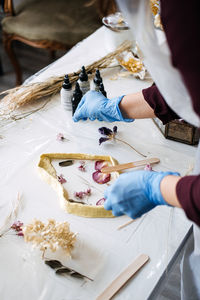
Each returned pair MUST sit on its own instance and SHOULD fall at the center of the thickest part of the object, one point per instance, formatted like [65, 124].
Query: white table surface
[102, 250]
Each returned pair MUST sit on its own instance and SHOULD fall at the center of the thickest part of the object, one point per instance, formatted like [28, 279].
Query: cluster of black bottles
[70, 99]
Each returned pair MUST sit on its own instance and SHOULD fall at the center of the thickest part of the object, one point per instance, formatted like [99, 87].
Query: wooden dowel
[120, 280]
[126, 224]
[135, 164]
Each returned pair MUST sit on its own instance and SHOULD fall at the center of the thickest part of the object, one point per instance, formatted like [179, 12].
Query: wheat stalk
[24, 94]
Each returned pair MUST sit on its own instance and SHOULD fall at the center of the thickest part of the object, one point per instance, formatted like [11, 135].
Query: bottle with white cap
[66, 94]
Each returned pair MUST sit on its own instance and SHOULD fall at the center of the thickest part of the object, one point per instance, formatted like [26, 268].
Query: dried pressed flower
[82, 194]
[101, 178]
[99, 164]
[111, 135]
[81, 167]
[17, 226]
[52, 235]
[101, 201]
[61, 179]
[148, 167]
[60, 137]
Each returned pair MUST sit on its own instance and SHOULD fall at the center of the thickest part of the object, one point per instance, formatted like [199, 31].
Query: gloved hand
[94, 105]
[135, 193]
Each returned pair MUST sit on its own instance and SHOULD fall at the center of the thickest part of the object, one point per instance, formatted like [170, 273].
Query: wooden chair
[48, 24]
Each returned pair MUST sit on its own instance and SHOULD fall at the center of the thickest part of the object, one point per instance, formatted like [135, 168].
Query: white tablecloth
[102, 250]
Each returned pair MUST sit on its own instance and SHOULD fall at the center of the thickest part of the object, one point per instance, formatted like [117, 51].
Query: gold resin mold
[48, 173]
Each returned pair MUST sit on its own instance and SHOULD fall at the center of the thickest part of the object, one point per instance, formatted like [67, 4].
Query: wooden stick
[120, 280]
[134, 164]
[126, 224]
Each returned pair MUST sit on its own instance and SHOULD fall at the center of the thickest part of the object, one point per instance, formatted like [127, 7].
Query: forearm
[134, 106]
[168, 190]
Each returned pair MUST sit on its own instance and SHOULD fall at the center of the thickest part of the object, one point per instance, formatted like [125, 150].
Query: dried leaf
[54, 264]
[66, 163]
[74, 201]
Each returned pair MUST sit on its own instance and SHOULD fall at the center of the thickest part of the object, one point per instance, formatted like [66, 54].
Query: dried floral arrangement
[24, 94]
[53, 235]
[132, 64]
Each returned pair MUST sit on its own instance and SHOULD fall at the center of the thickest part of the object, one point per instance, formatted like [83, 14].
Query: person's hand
[135, 193]
[94, 105]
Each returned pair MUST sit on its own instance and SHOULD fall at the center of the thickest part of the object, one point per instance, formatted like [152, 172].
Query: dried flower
[148, 167]
[99, 164]
[82, 166]
[101, 201]
[17, 226]
[101, 178]
[61, 179]
[111, 135]
[52, 235]
[60, 137]
[82, 194]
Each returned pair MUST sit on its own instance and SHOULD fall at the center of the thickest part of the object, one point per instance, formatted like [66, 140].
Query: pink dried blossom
[82, 194]
[60, 137]
[61, 179]
[82, 166]
[101, 178]
[101, 201]
[20, 233]
[17, 226]
[148, 167]
[99, 164]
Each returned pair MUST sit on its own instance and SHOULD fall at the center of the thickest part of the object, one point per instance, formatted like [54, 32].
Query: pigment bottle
[76, 98]
[66, 94]
[101, 89]
[83, 81]
[97, 80]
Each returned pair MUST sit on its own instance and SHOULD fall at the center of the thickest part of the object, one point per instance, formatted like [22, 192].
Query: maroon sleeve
[161, 109]
[188, 191]
[180, 21]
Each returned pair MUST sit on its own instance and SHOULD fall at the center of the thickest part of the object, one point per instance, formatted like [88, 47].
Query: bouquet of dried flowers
[52, 235]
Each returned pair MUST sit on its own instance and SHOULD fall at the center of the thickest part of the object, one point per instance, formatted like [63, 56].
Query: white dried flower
[52, 235]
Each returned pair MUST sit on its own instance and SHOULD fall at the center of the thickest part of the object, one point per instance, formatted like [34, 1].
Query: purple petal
[102, 140]
[101, 178]
[115, 129]
[101, 201]
[105, 131]
[99, 164]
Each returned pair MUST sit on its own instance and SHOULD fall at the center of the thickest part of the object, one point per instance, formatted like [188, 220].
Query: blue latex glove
[135, 193]
[94, 105]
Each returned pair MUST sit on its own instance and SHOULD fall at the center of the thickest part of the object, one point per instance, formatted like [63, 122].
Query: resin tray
[77, 181]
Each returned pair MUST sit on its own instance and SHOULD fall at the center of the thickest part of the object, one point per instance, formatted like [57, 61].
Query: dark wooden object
[8, 39]
[1, 68]
[180, 131]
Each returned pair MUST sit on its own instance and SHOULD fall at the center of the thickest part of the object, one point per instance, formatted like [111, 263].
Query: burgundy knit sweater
[180, 20]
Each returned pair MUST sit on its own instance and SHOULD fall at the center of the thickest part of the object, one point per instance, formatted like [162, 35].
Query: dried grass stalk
[24, 94]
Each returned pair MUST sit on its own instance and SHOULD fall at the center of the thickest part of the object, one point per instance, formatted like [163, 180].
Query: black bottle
[101, 89]
[76, 98]
[83, 81]
[97, 80]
